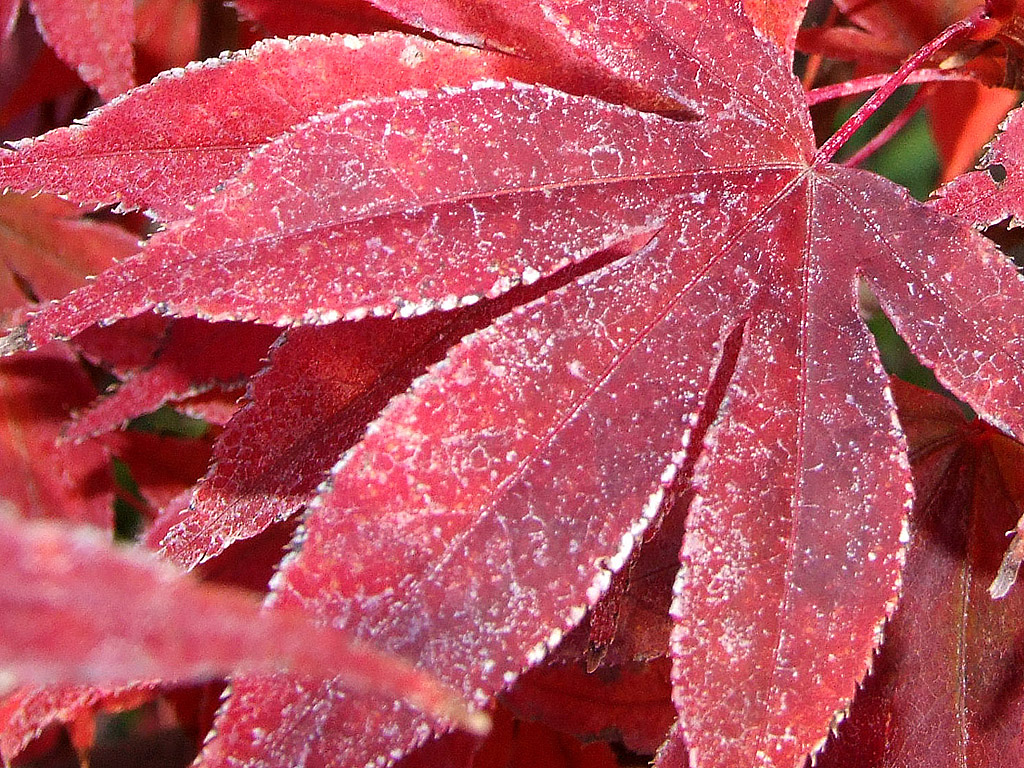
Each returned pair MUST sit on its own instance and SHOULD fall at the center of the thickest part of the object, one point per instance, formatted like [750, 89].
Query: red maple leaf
[946, 688]
[61, 628]
[93, 36]
[49, 248]
[717, 343]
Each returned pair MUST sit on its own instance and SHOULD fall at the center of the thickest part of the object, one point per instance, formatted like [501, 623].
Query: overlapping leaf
[128, 346]
[996, 190]
[8, 15]
[194, 358]
[630, 703]
[531, 414]
[162, 467]
[283, 18]
[48, 248]
[513, 743]
[778, 19]
[878, 35]
[26, 712]
[946, 690]
[322, 386]
[66, 619]
[216, 407]
[94, 37]
[528, 31]
[43, 476]
[167, 35]
[167, 144]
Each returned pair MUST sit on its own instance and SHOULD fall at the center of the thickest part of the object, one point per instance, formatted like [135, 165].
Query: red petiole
[894, 127]
[984, 23]
[872, 82]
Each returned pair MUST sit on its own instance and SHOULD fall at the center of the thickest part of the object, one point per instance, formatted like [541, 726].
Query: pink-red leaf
[43, 476]
[48, 248]
[195, 357]
[165, 145]
[514, 475]
[507, 528]
[441, 212]
[74, 609]
[322, 386]
[94, 37]
[995, 191]
[945, 689]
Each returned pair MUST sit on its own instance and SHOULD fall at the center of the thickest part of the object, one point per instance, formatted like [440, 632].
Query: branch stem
[871, 82]
[894, 127]
[954, 31]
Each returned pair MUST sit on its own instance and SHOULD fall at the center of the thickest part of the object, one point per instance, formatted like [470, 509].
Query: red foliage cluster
[526, 341]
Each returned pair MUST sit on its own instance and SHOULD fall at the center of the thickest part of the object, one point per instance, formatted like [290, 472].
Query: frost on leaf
[945, 689]
[321, 387]
[995, 190]
[528, 31]
[524, 466]
[165, 145]
[450, 205]
[93, 36]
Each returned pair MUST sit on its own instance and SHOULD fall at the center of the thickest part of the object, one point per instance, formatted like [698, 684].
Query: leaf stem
[959, 29]
[894, 127]
[871, 82]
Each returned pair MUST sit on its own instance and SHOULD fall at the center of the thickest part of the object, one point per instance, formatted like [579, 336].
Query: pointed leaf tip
[167, 626]
[1007, 575]
[16, 340]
